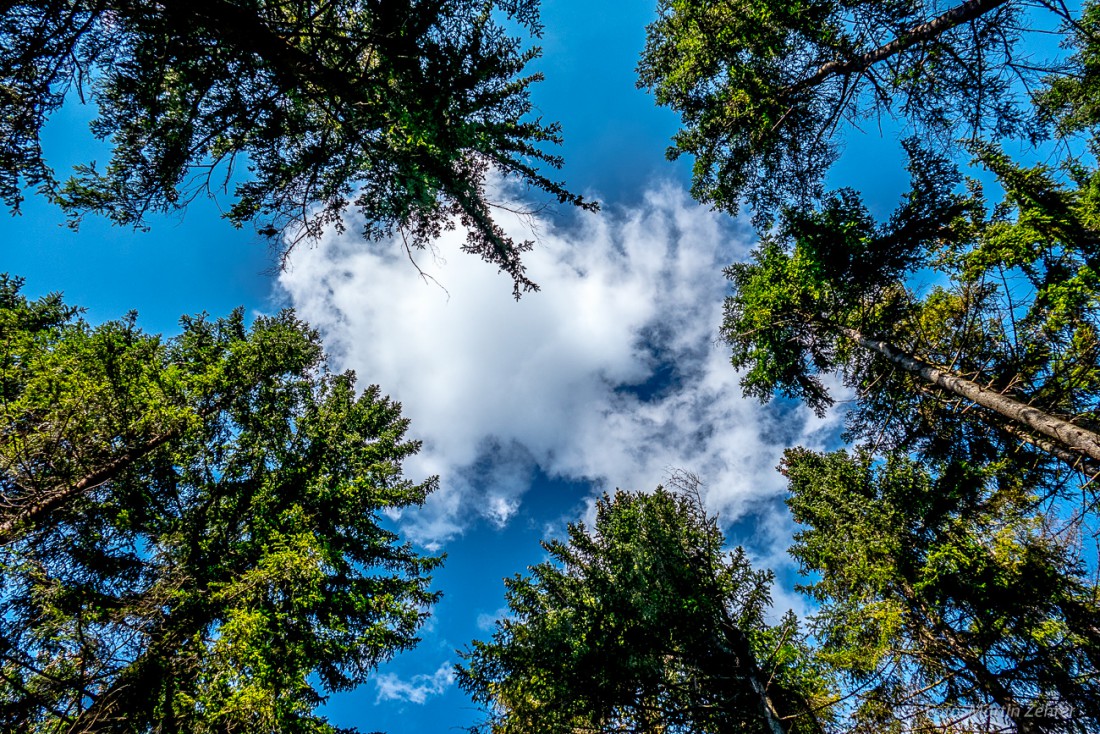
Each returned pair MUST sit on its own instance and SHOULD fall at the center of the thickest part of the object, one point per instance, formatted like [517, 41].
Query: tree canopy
[763, 87]
[947, 553]
[996, 359]
[644, 623]
[397, 110]
[192, 530]
[945, 601]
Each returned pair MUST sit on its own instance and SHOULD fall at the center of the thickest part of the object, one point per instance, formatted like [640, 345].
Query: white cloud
[418, 688]
[561, 380]
[488, 622]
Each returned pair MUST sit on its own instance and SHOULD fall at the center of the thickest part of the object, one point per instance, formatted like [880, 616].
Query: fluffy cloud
[610, 374]
[418, 688]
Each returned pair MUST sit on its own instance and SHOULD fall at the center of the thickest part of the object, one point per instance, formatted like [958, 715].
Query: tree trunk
[939, 634]
[956, 16]
[57, 498]
[739, 646]
[1079, 440]
[1075, 461]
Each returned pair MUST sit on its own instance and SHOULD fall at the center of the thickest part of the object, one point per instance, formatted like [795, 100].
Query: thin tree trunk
[739, 645]
[62, 496]
[956, 16]
[1079, 440]
[941, 635]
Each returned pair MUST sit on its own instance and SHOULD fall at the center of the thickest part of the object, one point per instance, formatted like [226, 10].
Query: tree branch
[917, 34]
[1079, 440]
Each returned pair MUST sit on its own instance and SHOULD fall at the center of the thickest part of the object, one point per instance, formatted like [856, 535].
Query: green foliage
[643, 623]
[1070, 101]
[721, 66]
[942, 593]
[946, 554]
[832, 267]
[229, 564]
[762, 87]
[395, 109]
[1007, 299]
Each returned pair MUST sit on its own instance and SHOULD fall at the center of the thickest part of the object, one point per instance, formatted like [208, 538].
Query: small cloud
[501, 509]
[488, 622]
[418, 688]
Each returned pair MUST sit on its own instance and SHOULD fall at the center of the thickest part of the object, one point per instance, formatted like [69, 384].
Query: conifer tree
[193, 539]
[944, 599]
[765, 89]
[998, 357]
[297, 111]
[644, 623]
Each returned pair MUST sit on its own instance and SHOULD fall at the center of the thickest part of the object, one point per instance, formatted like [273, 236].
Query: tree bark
[1073, 460]
[738, 643]
[1080, 441]
[60, 497]
[939, 634]
[956, 16]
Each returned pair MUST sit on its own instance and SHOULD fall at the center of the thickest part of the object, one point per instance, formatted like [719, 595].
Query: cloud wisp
[417, 689]
[609, 374]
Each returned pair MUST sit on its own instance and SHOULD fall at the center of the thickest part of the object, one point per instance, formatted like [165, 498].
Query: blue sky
[609, 377]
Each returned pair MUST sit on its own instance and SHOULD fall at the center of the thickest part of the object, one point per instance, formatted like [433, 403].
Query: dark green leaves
[641, 622]
[193, 530]
[723, 66]
[394, 109]
[1003, 300]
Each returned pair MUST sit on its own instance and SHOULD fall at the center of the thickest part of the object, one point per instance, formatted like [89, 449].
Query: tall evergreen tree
[193, 537]
[764, 88]
[943, 554]
[945, 600]
[644, 624]
[999, 355]
[394, 109]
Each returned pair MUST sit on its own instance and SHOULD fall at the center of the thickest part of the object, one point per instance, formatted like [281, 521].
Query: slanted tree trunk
[1075, 461]
[23, 515]
[1078, 440]
[738, 644]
